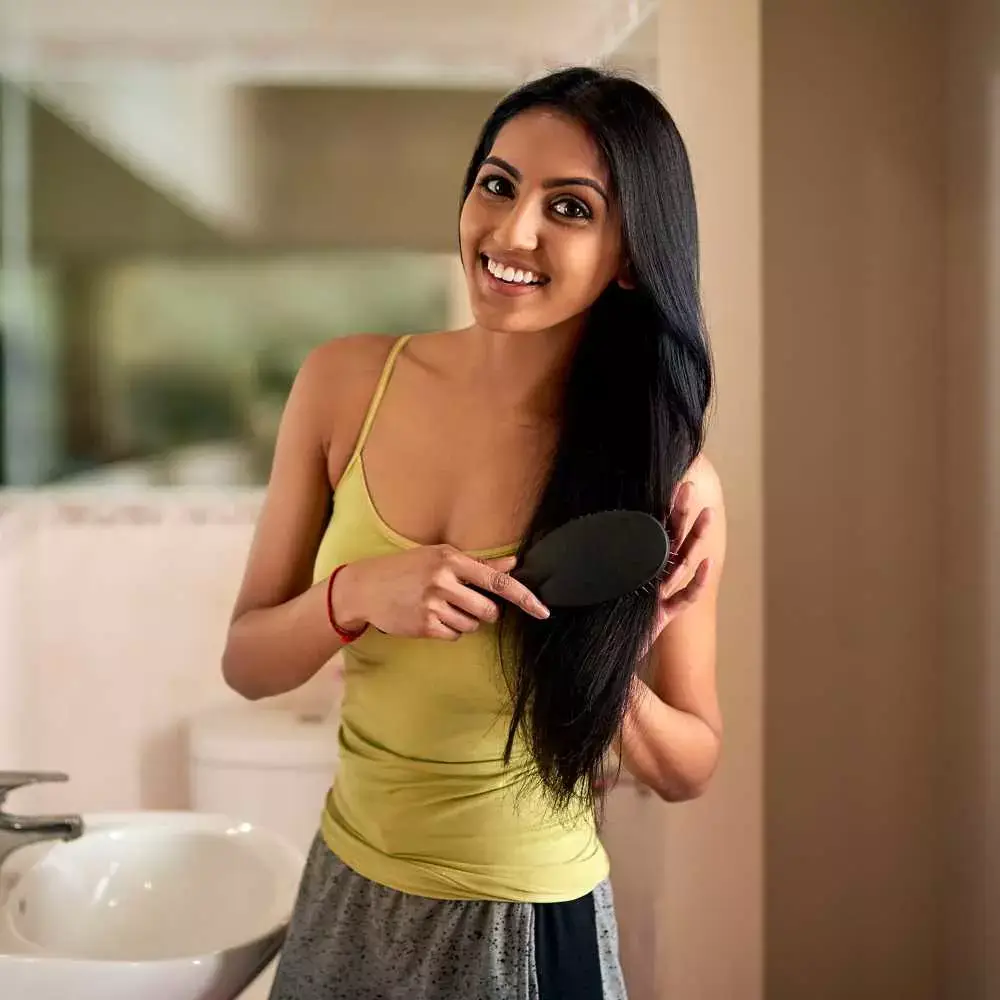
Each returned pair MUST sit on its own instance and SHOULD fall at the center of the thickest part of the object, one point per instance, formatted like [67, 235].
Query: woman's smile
[503, 278]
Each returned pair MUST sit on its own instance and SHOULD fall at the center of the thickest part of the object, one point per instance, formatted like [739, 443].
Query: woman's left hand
[681, 685]
[688, 569]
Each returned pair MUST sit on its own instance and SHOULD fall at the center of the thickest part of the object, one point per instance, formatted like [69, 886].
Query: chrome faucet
[19, 831]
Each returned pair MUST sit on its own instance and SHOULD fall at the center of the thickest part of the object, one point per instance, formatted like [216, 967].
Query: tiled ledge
[26, 509]
[15, 526]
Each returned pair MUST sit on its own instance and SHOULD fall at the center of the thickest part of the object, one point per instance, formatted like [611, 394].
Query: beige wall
[86, 204]
[711, 908]
[337, 167]
[182, 133]
[969, 708]
[364, 168]
[878, 492]
[881, 263]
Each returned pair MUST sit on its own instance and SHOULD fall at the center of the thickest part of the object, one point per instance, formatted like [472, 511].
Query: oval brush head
[595, 558]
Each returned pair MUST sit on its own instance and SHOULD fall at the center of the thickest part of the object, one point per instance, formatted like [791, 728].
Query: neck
[520, 371]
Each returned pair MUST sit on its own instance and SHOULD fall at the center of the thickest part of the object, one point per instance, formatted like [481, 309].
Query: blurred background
[192, 195]
[195, 196]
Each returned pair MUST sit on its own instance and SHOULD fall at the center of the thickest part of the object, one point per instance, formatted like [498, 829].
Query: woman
[458, 853]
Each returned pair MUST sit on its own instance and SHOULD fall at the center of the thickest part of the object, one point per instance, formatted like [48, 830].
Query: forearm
[673, 752]
[273, 650]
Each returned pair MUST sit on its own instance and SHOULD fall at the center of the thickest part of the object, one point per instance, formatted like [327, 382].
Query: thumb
[504, 564]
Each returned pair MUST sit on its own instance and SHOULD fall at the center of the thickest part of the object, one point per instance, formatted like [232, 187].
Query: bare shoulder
[331, 367]
[706, 483]
[336, 380]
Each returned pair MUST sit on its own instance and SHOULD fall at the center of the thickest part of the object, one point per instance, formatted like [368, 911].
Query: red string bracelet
[345, 635]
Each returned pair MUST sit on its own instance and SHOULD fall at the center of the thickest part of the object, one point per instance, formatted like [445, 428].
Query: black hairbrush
[595, 558]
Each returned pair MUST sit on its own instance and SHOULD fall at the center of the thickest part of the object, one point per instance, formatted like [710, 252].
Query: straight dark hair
[632, 421]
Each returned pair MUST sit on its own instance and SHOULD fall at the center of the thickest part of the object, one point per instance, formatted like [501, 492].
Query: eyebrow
[555, 182]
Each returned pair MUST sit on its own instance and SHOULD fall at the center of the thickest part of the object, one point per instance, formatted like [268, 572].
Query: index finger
[681, 558]
[496, 581]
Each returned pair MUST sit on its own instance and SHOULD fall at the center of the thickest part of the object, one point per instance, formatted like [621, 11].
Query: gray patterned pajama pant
[353, 939]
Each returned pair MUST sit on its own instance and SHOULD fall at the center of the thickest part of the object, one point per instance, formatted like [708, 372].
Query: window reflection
[188, 363]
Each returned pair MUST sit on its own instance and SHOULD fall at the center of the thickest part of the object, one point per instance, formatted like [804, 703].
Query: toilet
[270, 766]
[266, 765]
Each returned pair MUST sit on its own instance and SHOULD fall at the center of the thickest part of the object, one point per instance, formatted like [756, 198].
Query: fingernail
[542, 610]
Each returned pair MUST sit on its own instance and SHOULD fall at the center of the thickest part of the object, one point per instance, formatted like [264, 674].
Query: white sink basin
[157, 905]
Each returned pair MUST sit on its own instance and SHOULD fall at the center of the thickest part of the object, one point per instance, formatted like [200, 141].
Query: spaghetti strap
[380, 387]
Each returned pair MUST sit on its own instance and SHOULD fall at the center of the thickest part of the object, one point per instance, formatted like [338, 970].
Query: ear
[626, 277]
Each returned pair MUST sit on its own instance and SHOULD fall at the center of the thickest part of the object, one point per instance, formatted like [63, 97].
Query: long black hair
[632, 421]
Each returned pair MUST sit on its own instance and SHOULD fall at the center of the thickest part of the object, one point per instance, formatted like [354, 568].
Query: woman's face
[540, 235]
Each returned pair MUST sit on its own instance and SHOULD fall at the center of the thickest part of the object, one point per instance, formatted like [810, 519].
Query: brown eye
[497, 185]
[571, 208]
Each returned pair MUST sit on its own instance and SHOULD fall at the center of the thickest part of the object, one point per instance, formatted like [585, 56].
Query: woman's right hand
[427, 593]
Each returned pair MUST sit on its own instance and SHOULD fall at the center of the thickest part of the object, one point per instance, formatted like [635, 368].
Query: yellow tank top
[422, 801]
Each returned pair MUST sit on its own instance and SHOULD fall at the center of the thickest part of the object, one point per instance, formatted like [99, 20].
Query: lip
[503, 287]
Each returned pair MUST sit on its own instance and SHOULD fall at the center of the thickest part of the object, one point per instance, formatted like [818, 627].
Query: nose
[519, 228]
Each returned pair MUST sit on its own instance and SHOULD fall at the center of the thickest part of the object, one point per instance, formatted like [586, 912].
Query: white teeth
[510, 274]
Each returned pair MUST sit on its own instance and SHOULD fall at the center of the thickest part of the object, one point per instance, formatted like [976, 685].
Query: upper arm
[297, 500]
[682, 665]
